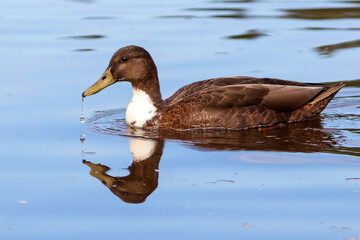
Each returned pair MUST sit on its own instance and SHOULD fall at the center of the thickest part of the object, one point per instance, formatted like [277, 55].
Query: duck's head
[132, 64]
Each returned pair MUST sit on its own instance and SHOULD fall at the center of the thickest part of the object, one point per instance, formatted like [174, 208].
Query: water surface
[298, 181]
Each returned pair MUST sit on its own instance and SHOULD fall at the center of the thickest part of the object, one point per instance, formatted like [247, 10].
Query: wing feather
[280, 95]
[288, 98]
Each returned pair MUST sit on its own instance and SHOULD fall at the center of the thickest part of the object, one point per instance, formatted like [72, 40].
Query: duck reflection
[143, 177]
[147, 149]
[306, 136]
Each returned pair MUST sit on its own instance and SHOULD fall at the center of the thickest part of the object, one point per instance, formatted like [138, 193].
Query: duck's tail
[317, 104]
[327, 95]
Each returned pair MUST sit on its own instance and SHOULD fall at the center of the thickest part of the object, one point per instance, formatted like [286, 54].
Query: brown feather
[238, 103]
[288, 98]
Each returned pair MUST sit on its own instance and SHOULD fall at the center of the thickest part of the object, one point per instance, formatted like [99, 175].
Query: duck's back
[241, 102]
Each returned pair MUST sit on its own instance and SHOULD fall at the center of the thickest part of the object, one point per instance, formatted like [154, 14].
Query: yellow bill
[105, 80]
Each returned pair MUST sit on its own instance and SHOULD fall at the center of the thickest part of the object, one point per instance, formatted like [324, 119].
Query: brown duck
[229, 102]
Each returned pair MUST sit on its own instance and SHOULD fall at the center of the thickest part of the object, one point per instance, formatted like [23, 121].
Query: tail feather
[316, 105]
[328, 94]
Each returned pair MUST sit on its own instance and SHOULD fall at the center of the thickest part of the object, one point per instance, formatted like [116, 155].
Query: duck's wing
[280, 95]
[196, 87]
[288, 98]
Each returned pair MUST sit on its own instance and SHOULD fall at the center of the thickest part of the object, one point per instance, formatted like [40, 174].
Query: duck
[232, 103]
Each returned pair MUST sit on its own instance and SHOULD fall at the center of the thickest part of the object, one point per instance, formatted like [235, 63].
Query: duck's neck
[151, 87]
[145, 103]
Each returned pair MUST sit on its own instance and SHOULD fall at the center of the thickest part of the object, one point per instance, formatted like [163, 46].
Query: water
[298, 181]
[82, 118]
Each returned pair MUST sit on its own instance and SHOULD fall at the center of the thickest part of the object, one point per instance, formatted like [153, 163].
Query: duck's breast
[140, 109]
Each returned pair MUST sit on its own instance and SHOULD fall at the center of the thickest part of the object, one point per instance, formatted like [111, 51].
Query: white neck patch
[140, 109]
[141, 149]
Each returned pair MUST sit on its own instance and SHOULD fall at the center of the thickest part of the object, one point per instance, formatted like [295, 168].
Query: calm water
[299, 181]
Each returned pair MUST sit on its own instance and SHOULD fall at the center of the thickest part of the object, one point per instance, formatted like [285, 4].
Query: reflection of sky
[44, 73]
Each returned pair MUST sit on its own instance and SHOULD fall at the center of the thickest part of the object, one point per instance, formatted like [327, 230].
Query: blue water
[294, 182]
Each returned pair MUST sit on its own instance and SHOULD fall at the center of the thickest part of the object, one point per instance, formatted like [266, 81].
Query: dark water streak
[323, 13]
[249, 35]
[330, 49]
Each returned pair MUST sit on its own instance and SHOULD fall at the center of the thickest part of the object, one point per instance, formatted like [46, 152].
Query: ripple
[348, 83]
[329, 49]
[249, 35]
[83, 50]
[330, 29]
[228, 12]
[99, 18]
[308, 136]
[217, 9]
[85, 37]
[178, 16]
[323, 13]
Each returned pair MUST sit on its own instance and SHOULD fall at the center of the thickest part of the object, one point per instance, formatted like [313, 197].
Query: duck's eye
[103, 78]
[124, 59]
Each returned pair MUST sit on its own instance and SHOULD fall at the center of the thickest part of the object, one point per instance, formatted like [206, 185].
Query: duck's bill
[105, 80]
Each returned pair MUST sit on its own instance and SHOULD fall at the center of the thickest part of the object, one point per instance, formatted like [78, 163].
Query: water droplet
[82, 137]
[82, 118]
